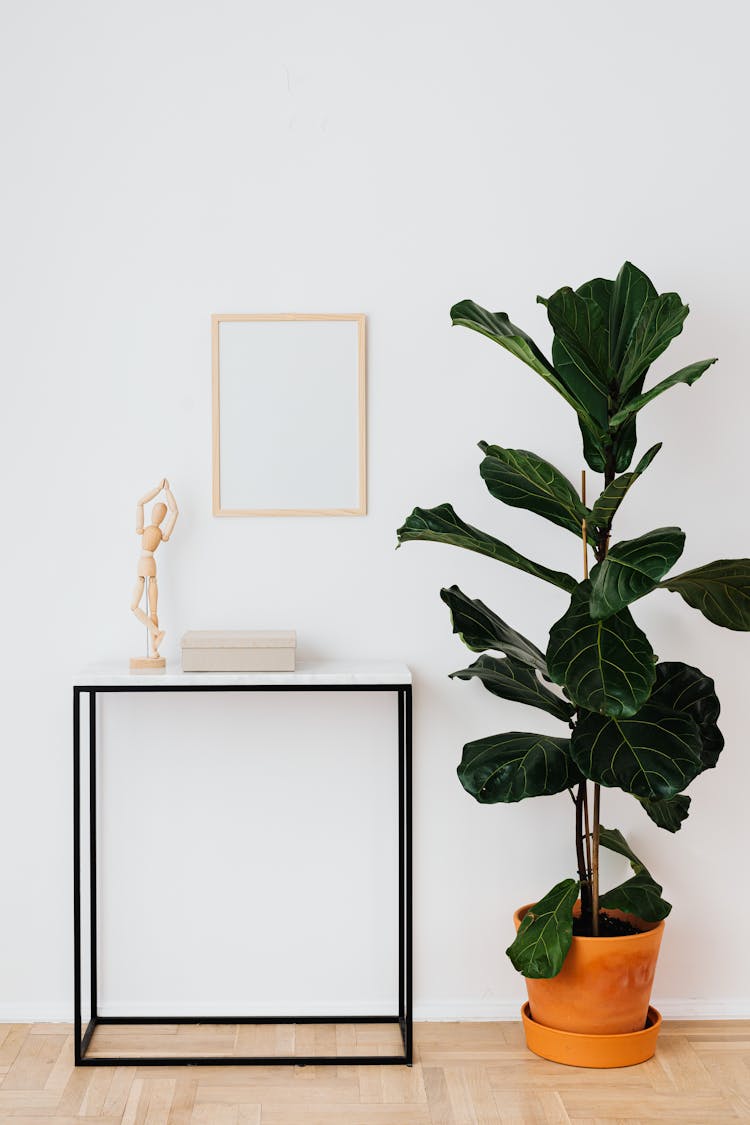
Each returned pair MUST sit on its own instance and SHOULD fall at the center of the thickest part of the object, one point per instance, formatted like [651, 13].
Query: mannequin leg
[153, 602]
[135, 607]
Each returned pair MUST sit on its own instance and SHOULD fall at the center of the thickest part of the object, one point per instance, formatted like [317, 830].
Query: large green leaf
[640, 895]
[510, 679]
[496, 326]
[654, 754]
[633, 568]
[668, 814]
[624, 443]
[630, 292]
[605, 666]
[580, 349]
[620, 444]
[545, 934]
[683, 688]
[442, 525]
[595, 436]
[594, 447]
[599, 290]
[720, 590]
[479, 628]
[660, 320]
[639, 323]
[636, 326]
[524, 480]
[605, 507]
[613, 840]
[687, 375]
[513, 766]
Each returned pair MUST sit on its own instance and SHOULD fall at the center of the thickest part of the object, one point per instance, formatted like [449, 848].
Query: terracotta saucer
[600, 1051]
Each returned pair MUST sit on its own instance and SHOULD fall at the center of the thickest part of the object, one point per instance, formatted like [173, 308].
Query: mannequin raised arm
[173, 512]
[144, 500]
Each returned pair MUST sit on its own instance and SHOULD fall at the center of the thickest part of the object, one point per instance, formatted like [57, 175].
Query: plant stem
[588, 830]
[595, 866]
[584, 873]
[584, 528]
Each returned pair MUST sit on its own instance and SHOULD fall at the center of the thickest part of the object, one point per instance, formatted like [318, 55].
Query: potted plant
[645, 727]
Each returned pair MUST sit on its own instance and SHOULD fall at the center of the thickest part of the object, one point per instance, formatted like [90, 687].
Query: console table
[329, 676]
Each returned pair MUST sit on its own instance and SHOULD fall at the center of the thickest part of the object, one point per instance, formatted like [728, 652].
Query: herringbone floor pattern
[465, 1074]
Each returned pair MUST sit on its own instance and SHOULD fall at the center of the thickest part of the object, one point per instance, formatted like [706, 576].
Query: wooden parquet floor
[465, 1074]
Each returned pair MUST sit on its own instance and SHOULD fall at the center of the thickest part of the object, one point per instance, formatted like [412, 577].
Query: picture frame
[289, 415]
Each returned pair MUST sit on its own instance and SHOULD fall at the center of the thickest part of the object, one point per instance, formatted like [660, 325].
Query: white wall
[163, 161]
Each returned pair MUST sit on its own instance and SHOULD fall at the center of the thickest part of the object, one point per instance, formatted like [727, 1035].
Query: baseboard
[459, 1011]
[678, 1008]
[700, 1009]
[36, 1013]
[468, 1011]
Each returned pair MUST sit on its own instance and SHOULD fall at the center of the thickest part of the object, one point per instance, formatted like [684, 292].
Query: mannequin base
[147, 664]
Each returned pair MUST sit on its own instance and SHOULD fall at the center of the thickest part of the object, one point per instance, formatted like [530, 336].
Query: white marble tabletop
[116, 673]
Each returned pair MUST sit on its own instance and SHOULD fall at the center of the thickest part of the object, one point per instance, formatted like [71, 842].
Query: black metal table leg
[77, 873]
[93, 884]
[401, 866]
[409, 1001]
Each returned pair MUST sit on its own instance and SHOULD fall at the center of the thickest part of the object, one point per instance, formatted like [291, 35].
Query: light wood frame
[216, 320]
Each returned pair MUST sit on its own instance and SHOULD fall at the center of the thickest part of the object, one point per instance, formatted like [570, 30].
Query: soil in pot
[609, 926]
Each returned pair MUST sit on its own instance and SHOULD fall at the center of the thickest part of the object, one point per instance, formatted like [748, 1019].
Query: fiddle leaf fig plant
[633, 723]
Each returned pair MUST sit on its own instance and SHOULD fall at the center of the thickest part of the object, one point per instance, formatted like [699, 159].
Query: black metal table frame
[404, 1018]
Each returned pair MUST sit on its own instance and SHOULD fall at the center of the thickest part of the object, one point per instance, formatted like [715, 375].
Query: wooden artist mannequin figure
[151, 537]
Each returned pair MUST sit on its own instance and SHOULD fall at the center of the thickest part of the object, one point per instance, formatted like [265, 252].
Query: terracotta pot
[604, 986]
